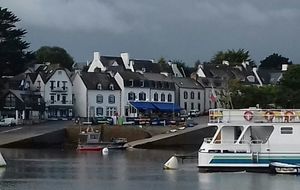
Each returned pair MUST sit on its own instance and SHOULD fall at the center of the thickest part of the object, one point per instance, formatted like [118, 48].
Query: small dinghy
[284, 168]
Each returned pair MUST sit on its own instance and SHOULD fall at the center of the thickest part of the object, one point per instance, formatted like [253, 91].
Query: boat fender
[269, 115]
[248, 115]
[171, 164]
[289, 116]
[105, 151]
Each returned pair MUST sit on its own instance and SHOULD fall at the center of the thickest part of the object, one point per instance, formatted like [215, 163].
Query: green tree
[274, 61]
[289, 91]
[13, 55]
[248, 96]
[163, 64]
[54, 55]
[232, 56]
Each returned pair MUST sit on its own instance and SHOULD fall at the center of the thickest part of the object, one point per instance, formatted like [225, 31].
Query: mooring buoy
[171, 164]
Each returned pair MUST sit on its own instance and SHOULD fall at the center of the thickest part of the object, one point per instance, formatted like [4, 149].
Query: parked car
[6, 122]
[194, 113]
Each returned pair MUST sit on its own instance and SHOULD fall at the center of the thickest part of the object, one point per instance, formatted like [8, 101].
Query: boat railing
[254, 115]
[209, 140]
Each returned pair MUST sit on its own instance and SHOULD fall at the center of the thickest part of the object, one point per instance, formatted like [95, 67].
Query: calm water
[133, 169]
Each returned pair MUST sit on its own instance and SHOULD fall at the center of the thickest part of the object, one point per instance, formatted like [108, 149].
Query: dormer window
[111, 87]
[142, 83]
[144, 69]
[131, 82]
[99, 86]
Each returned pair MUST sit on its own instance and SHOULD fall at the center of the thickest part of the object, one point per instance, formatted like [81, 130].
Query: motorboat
[90, 140]
[250, 140]
[284, 168]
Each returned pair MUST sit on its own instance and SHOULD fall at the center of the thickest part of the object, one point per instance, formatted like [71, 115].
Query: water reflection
[133, 169]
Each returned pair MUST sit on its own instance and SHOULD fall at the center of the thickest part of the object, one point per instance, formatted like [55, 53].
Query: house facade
[96, 95]
[57, 93]
[190, 95]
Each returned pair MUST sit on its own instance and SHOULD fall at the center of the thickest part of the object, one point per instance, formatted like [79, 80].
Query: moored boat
[284, 168]
[90, 140]
[250, 139]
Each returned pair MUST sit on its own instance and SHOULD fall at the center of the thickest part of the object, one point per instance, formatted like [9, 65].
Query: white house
[189, 94]
[56, 88]
[96, 95]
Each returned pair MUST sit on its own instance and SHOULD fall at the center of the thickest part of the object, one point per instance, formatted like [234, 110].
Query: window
[99, 99]
[286, 130]
[10, 100]
[64, 97]
[162, 97]
[131, 96]
[142, 96]
[131, 82]
[169, 97]
[59, 72]
[52, 99]
[199, 95]
[111, 111]
[192, 106]
[58, 97]
[155, 96]
[57, 83]
[192, 95]
[64, 85]
[52, 84]
[99, 86]
[111, 99]
[111, 87]
[199, 106]
[142, 83]
[99, 111]
[38, 84]
[185, 105]
[185, 95]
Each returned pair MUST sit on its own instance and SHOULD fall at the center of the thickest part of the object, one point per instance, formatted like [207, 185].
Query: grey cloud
[186, 30]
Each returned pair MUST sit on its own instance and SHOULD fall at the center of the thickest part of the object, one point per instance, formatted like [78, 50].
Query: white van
[6, 122]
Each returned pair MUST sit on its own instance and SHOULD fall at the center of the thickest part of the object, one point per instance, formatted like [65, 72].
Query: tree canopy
[13, 55]
[289, 91]
[54, 55]
[232, 56]
[274, 61]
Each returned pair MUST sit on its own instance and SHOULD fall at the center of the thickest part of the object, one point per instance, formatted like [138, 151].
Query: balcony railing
[59, 89]
[59, 102]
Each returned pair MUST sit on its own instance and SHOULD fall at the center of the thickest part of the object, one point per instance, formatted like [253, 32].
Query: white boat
[283, 168]
[250, 139]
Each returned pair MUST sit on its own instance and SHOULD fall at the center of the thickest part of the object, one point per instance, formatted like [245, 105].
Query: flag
[213, 96]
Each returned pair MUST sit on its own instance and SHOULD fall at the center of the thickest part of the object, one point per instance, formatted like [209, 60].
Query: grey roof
[187, 83]
[157, 77]
[269, 76]
[109, 63]
[128, 75]
[147, 66]
[46, 71]
[211, 82]
[92, 79]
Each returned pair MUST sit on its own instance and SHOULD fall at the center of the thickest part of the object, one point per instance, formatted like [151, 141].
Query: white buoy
[2, 161]
[171, 164]
[105, 151]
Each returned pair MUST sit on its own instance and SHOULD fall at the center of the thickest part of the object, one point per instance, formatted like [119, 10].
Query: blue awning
[166, 107]
[144, 106]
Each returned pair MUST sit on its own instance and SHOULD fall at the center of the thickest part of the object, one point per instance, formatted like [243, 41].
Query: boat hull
[221, 162]
[89, 148]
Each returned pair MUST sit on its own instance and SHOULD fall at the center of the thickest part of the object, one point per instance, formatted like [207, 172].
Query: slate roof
[92, 79]
[147, 65]
[182, 82]
[128, 75]
[269, 76]
[46, 71]
[109, 63]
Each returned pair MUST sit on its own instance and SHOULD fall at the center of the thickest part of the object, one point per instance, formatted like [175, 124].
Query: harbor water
[132, 169]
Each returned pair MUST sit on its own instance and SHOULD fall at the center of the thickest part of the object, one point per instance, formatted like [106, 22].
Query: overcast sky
[185, 30]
